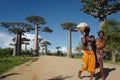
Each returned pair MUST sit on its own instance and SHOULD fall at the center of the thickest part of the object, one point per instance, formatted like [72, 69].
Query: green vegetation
[77, 56]
[6, 63]
[112, 37]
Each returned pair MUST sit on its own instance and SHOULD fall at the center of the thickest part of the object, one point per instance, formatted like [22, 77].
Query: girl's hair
[101, 32]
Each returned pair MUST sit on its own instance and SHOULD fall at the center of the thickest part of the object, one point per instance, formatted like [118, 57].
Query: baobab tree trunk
[102, 21]
[69, 54]
[25, 47]
[35, 50]
[45, 49]
[19, 44]
[15, 47]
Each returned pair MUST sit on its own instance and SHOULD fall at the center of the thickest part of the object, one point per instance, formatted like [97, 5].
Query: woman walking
[88, 58]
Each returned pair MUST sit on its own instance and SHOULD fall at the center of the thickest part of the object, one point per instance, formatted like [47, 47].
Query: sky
[54, 12]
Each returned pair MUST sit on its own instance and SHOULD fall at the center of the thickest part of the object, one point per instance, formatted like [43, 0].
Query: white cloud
[5, 39]
[64, 49]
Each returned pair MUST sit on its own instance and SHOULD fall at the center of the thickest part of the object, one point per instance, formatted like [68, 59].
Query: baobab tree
[100, 9]
[71, 27]
[37, 20]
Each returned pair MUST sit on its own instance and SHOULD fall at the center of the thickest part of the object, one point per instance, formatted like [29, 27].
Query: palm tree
[37, 20]
[100, 9]
[71, 27]
[19, 29]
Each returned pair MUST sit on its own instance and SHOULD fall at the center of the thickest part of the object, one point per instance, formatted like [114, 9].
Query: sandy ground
[57, 68]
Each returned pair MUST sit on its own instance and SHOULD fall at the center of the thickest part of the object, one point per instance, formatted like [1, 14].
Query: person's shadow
[106, 72]
[60, 77]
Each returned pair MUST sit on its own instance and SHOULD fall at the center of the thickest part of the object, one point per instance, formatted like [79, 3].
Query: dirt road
[57, 68]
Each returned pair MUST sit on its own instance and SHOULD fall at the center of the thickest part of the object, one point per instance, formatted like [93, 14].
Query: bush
[76, 55]
[6, 51]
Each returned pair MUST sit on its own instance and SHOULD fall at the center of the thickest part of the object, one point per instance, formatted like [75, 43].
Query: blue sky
[54, 12]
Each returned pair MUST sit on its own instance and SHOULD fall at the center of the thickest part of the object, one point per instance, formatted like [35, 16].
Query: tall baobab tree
[36, 20]
[17, 28]
[71, 27]
[100, 9]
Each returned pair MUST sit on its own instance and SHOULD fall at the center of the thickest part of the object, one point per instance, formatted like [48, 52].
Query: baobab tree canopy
[100, 8]
[35, 19]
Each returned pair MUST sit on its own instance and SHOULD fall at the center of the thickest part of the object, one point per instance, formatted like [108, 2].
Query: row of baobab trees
[19, 28]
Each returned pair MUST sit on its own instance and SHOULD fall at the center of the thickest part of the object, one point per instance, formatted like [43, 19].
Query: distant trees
[100, 9]
[78, 48]
[71, 27]
[25, 41]
[44, 44]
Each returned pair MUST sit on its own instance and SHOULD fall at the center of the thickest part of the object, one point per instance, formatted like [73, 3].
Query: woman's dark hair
[87, 29]
[101, 32]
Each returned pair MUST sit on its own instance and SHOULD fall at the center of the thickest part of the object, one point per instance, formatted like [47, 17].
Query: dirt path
[57, 68]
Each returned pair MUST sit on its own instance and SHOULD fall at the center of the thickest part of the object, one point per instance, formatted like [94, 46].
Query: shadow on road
[7, 75]
[60, 78]
[106, 71]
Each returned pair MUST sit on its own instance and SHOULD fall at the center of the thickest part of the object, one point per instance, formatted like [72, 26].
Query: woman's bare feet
[79, 74]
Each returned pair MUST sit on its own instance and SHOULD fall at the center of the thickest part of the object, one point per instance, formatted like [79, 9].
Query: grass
[6, 63]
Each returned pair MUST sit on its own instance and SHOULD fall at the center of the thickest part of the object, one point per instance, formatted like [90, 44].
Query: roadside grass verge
[6, 63]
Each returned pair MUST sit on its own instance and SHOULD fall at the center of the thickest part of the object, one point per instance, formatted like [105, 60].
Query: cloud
[64, 49]
[5, 39]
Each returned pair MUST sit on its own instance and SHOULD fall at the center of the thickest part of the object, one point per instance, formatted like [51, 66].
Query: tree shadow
[7, 75]
[59, 78]
[106, 71]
